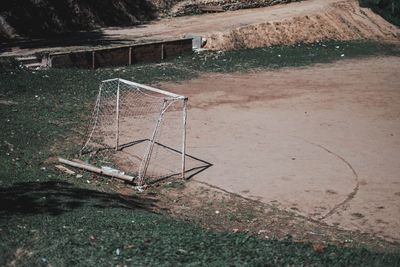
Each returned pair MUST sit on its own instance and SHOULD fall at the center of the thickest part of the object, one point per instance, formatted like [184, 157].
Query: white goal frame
[168, 98]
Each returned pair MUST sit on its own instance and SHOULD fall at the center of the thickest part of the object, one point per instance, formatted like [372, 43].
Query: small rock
[319, 247]
[262, 231]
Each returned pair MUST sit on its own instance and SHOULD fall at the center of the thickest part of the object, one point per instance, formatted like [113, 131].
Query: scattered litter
[200, 50]
[64, 169]
[342, 55]
[139, 188]
[235, 230]
[111, 170]
[9, 145]
[87, 181]
[182, 251]
[118, 252]
[79, 176]
[217, 212]
[262, 232]
[337, 47]
[279, 55]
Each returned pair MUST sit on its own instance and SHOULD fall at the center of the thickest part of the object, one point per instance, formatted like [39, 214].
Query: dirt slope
[304, 21]
[307, 21]
[46, 18]
[340, 20]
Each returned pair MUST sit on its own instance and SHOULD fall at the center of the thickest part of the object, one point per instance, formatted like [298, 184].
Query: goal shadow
[160, 167]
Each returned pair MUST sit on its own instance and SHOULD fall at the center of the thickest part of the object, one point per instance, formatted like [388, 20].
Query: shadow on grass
[57, 197]
[88, 38]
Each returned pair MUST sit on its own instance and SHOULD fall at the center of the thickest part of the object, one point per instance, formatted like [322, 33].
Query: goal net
[140, 129]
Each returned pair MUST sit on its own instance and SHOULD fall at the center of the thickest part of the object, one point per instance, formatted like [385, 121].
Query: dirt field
[322, 141]
[305, 21]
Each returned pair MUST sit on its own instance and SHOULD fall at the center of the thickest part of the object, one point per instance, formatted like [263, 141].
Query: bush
[388, 9]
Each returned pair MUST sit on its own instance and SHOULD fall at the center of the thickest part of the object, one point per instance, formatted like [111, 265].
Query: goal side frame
[169, 97]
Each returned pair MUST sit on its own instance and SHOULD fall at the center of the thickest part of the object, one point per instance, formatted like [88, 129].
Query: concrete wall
[123, 55]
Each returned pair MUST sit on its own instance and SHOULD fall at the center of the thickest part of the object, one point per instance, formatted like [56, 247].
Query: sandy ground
[305, 21]
[323, 141]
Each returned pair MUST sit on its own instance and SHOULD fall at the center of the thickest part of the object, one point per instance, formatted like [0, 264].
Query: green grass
[49, 218]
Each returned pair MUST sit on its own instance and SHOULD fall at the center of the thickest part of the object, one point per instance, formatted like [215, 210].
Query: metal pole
[152, 140]
[184, 137]
[130, 56]
[93, 60]
[117, 121]
[162, 52]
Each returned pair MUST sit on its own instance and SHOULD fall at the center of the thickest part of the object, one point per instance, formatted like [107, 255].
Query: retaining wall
[122, 55]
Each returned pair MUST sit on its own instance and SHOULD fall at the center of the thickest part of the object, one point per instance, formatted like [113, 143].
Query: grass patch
[50, 218]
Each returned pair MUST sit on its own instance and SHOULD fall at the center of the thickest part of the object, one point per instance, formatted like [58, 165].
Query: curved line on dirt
[329, 213]
[258, 202]
[355, 189]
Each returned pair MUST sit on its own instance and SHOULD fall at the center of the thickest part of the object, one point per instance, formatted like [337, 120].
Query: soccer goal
[140, 129]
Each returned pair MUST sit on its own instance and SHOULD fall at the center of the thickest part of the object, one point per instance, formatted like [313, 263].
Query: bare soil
[305, 21]
[322, 141]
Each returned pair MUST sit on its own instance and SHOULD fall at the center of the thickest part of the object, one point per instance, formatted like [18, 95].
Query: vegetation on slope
[47, 17]
[388, 9]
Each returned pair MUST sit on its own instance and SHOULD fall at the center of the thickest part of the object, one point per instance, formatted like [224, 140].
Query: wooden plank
[64, 169]
[92, 168]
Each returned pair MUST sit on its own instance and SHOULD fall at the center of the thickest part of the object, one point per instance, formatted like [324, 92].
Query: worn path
[323, 141]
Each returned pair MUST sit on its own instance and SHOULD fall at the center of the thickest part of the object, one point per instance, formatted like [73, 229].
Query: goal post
[139, 128]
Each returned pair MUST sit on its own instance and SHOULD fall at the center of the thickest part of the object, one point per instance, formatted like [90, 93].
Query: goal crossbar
[156, 90]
